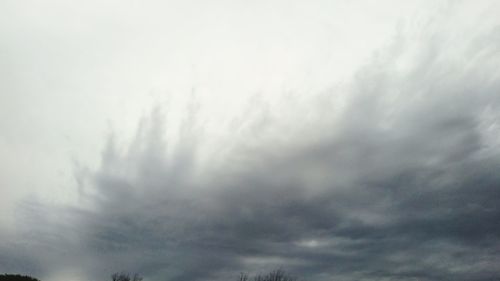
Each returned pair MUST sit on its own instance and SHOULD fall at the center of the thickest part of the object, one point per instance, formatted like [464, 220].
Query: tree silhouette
[275, 275]
[16, 277]
[123, 276]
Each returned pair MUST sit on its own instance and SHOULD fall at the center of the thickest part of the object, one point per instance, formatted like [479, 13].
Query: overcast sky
[194, 140]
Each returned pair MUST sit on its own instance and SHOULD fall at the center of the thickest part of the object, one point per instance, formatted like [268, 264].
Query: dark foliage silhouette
[123, 276]
[16, 277]
[275, 275]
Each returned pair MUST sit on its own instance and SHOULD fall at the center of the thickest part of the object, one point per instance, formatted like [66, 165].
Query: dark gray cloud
[404, 185]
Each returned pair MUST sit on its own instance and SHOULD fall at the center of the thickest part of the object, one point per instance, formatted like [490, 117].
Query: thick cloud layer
[398, 180]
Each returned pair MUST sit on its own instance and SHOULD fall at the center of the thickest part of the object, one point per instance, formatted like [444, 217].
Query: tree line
[16, 277]
[275, 275]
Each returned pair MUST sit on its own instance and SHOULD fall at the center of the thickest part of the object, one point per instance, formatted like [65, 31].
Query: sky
[194, 140]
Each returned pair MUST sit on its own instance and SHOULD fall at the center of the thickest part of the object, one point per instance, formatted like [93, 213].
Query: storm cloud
[392, 175]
